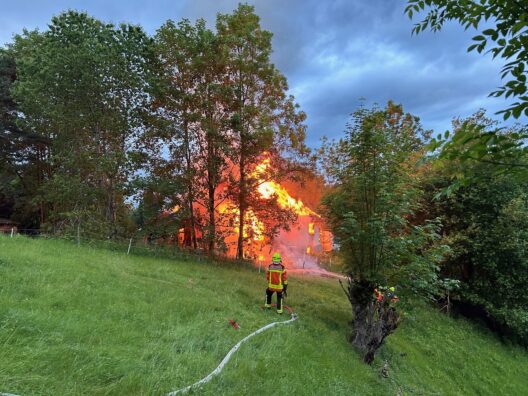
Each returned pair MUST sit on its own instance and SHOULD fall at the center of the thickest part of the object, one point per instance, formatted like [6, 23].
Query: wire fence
[137, 245]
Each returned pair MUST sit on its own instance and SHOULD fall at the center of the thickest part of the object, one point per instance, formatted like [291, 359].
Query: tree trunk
[111, 207]
[212, 227]
[211, 186]
[241, 207]
[372, 321]
[40, 182]
[193, 226]
[240, 242]
[190, 194]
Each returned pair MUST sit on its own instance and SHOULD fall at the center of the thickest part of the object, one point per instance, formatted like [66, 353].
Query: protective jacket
[277, 277]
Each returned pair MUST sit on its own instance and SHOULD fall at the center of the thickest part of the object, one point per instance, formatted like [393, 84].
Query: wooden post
[12, 231]
[78, 233]
[129, 245]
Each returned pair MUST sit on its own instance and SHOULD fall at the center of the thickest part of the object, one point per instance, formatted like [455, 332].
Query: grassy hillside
[76, 320]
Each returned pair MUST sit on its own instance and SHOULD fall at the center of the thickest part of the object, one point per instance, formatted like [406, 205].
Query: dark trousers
[269, 294]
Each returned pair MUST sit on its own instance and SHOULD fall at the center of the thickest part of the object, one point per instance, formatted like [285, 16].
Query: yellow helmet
[276, 258]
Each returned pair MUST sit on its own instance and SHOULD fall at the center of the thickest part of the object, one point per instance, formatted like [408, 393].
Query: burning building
[300, 245]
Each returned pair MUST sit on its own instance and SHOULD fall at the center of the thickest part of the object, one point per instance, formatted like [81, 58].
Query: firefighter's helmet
[276, 258]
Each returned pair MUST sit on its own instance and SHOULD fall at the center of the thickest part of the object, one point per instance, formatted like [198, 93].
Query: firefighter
[392, 295]
[277, 281]
[378, 293]
[383, 291]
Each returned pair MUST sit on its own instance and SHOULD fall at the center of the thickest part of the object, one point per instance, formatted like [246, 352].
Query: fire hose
[293, 317]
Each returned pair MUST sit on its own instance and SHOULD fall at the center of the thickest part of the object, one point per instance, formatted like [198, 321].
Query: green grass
[80, 320]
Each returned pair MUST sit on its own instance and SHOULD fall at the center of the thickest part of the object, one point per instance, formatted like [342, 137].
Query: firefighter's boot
[267, 303]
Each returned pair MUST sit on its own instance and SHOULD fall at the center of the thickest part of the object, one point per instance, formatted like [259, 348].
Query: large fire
[268, 189]
[306, 237]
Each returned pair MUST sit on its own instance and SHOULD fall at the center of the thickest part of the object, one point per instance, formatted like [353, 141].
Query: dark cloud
[332, 52]
[336, 52]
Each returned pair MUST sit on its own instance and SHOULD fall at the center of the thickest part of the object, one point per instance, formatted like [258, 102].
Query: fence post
[79, 233]
[129, 245]
[12, 231]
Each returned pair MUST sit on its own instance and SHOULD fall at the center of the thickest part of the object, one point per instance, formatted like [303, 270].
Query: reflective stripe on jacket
[277, 277]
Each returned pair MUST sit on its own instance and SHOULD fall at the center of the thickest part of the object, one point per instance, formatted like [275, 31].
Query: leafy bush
[486, 224]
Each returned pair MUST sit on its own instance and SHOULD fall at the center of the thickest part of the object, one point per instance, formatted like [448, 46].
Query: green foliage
[374, 195]
[478, 140]
[22, 153]
[486, 225]
[94, 116]
[219, 105]
[81, 85]
[370, 208]
[263, 118]
[79, 320]
[153, 217]
[190, 103]
[507, 38]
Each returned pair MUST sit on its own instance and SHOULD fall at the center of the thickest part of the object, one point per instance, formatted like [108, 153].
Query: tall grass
[84, 320]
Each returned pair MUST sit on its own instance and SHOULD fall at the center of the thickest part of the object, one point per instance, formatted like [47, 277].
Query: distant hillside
[77, 320]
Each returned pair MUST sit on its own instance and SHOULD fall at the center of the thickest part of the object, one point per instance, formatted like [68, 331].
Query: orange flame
[268, 189]
[255, 226]
[255, 229]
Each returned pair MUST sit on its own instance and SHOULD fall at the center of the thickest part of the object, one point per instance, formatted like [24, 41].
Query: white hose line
[222, 363]
[228, 356]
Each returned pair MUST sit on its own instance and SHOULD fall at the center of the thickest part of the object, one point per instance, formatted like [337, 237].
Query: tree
[507, 39]
[192, 102]
[479, 140]
[484, 223]
[505, 34]
[23, 156]
[262, 115]
[374, 196]
[82, 85]
[215, 138]
[176, 50]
